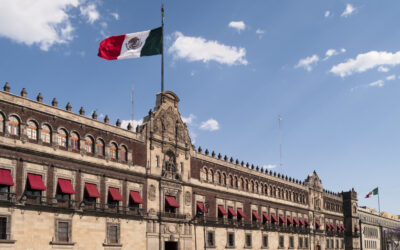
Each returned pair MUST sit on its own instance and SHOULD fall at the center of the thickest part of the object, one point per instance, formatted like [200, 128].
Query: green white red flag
[133, 45]
[372, 193]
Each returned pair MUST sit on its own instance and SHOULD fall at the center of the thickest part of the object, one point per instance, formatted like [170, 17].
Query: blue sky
[330, 68]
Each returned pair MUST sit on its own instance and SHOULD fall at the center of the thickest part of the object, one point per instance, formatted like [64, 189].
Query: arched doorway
[171, 245]
[318, 247]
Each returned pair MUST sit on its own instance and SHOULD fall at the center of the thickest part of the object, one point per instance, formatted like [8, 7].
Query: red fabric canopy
[333, 227]
[265, 215]
[6, 178]
[115, 194]
[201, 207]
[328, 226]
[356, 228]
[274, 219]
[301, 222]
[171, 201]
[307, 224]
[290, 220]
[240, 211]
[318, 224]
[231, 211]
[255, 214]
[91, 190]
[66, 186]
[282, 219]
[343, 228]
[135, 196]
[222, 210]
[296, 221]
[36, 182]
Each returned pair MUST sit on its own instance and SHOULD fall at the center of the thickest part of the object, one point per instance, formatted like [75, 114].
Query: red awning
[301, 222]
[115, 194]
[307, 224]
[356, 228]
[296, 221]
[274, 219]
[255, 215]
[265, 215]
[171, 201]
[66, 186]
[290, 220]
[91, 190]
[36, 182]
[328, 226]
[333, 227]
[201, 207]
[343, 228]
[6, 178]
[135, 196]
[231, 211]
[282, 219]
[240, 211]
[318, 224]
[222, 210]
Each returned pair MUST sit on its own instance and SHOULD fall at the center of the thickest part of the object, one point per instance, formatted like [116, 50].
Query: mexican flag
[372, 193]
[133, 45]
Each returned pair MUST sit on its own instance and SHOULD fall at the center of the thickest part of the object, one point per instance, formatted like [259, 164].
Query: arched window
[45, 134]
[62, 138]
[224, 179]
[89, 144]
[1, 123]
[252, 186]
[13, 125]
[274, 192]
[218, 174]
[74, 141]
[206, 173]
[241, 183]
[113, 151]
[211, 176]
[246, 184]
[236, 184]
[256, 187]
[230, 180]
[31, 130]
[123, 154]
[99, 147]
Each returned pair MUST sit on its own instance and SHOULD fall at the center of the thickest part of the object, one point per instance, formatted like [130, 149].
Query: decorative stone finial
[54, 103]
[257, 168]
[106, 119]
[219, 156]
[231, 159]
[82, 111]
[23, 92]
[39, 97]
[118, 123]
[252, 166]
[225, 158]
[237, 161]
[206, 152]
[68, 107]
[213, 154]
[199, 149]
[247, 165]
[129, 126]
[94, 115]
[6, 87]
[242, 163]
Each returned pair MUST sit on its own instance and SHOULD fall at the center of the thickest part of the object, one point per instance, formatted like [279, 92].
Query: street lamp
[206, 206]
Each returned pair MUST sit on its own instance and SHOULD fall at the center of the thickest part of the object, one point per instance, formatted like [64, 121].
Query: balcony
[111, 209]
[8, 197]
[166, 215]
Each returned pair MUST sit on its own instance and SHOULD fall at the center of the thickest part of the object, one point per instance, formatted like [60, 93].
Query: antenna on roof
[280, 143]
[133, 104]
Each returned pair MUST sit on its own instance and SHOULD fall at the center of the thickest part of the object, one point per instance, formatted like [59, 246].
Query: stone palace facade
[69, 181]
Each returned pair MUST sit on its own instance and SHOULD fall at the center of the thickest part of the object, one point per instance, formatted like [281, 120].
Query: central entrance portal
[170, 245]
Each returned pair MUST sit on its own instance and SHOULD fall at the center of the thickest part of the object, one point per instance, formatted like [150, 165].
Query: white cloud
[269, 166]
[210, 125]
[327, 13]
[383, 69]
[307, 62]
[199, 49]
[134, 123]
[379, 83]
[115, 15]
[348, 10]
[260, 31]
[189, 120]
[391, 77]
[333, 52]
[90, 12]
[193, 137]
[366, 61]
[41, 22]
[239, 25]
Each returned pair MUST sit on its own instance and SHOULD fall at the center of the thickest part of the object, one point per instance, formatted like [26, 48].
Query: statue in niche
[170, 164]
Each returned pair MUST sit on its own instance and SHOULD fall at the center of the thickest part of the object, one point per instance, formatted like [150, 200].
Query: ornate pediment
[313, 181]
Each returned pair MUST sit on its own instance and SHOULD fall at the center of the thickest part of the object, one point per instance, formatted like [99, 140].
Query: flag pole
[162, 48]
[379, 203]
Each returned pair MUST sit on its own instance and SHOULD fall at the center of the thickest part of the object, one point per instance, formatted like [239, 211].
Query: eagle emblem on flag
[133, 43]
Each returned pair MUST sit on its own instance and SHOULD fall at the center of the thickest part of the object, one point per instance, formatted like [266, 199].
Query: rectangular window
[231, 239]
[300, 242]
[63, 228]
[327, 243]
[248, 240]
[291, 242]
[112, 233]
[342, 244]
[281, 242]
[306, 242]
[332, 244]
[210, 239]
[3, 228]
[337, 243]
[265, 241]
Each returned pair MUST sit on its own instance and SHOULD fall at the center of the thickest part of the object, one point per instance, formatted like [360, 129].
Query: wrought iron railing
[171, 215]
[7, 196]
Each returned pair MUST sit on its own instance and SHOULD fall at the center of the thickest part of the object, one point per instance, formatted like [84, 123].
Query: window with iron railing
[281, 241]
[231, 239]
[210, 239]
[265, 241]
